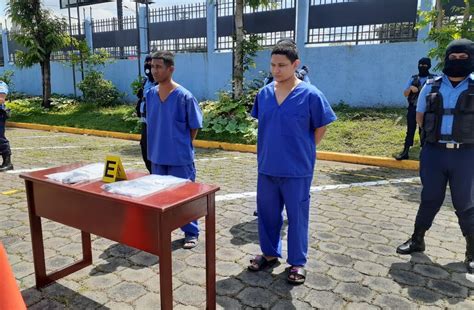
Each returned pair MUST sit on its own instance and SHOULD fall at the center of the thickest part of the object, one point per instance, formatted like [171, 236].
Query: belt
[453, 146]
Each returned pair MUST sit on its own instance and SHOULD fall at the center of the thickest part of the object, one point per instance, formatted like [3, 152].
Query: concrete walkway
[359, 215]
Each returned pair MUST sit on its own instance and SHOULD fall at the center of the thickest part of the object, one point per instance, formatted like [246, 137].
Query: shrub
[95, 89]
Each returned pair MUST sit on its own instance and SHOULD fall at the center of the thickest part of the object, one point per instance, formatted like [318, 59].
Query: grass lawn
[367, 131]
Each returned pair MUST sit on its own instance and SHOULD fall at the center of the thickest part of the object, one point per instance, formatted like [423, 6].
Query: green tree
[240, 51]
[447, 27]
[40, 33]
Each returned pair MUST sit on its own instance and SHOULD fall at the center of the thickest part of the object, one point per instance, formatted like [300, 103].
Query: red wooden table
[144, 223]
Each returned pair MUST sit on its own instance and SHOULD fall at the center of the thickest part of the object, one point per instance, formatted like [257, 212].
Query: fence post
[211, 27]
[6, 53]
[425, 6]
[301, 23]
[143, 33]
[88, 33]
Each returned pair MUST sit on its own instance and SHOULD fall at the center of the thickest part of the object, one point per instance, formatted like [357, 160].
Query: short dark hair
[166, 56]
[289, 41]
[289, 50]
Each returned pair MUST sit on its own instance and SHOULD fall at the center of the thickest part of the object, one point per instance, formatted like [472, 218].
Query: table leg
[41, 277]
[211, 253]
[36, 239]
[166, 284]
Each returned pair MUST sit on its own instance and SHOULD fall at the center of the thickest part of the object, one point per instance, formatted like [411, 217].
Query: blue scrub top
[450, 98]
[286, 145]
[3, 90]
[169, 126]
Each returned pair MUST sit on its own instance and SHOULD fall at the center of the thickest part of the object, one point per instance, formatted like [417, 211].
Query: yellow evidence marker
[113, 170]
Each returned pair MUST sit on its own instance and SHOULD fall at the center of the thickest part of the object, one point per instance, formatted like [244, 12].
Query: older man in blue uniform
[446, 114]
[292, 118]
[4, 144]
[147, 83]
[412, 90]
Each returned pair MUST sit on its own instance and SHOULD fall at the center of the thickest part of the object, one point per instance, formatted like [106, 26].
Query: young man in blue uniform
[412, 90]
[445, 112]
[4, 144]
[147, 83]
[173, 120]
[292, 119]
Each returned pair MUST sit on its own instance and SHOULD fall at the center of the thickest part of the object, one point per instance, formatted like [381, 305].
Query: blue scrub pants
[185, 172]
[438, 166]
[272, 194]
[4, 144]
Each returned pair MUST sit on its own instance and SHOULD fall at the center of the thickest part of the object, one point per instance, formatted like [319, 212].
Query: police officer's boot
[415, 244]
[403, 154]
[469, 253]
[7, 164]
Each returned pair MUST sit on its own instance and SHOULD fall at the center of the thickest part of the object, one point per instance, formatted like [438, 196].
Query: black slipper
[260, 263]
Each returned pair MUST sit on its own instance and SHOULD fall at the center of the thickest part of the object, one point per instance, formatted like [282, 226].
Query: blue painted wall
[361, 75]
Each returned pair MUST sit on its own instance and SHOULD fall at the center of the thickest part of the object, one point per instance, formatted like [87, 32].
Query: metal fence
[179, 28]
[2, 59]
[183, 28]
[333, 22]
[260, 21]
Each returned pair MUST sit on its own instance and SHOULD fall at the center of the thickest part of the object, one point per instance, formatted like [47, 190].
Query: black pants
[438, 166]
[4, 144]
[143, 146]
[411, 126]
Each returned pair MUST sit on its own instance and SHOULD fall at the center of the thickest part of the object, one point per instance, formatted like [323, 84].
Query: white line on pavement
[59, 147]
[16, 171]
[39, 136]
[229, 197]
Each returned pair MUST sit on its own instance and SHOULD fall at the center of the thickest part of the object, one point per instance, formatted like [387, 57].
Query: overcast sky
[104, 10]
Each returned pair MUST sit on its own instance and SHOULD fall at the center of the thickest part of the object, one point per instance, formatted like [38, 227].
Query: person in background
[147, 83]
[4, 143]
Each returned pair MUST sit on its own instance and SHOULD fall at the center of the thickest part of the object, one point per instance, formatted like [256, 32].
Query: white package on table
[82, 174]
[143, 186]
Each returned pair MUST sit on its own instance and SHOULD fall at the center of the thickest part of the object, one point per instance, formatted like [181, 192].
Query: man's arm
[194, 133]
[319, 134]
[419, 118]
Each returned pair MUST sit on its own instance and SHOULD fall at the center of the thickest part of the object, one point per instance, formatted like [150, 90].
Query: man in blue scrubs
[445, 112]
[173, 120]
[4, 144]
[292, 118]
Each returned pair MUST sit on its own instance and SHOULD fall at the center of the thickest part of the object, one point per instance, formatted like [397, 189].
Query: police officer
[415, 84]
[445, 112]
[147, 83]
[4, 144]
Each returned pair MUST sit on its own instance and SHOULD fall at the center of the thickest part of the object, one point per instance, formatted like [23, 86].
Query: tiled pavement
[353, 234]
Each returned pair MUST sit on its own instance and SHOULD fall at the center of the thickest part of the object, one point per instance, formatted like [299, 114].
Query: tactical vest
[463, 115]
[413, 97]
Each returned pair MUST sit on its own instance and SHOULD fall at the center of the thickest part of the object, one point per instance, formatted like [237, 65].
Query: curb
[321, 155]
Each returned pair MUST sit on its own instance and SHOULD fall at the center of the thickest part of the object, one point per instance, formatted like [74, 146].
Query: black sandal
[261, 263]
[296, 275]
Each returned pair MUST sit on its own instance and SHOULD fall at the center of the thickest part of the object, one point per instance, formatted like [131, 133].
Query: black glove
[140, 93]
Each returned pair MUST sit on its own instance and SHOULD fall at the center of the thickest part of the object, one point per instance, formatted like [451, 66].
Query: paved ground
[359, 215]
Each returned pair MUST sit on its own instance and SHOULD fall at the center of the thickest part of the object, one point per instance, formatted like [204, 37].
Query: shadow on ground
[428, 282]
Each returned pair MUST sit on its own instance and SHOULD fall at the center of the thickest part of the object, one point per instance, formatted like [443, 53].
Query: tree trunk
[46, 75]
[440, 17]
[238, 78]
[467, 11]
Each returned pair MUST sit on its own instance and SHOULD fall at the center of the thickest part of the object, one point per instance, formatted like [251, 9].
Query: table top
[161, 201]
